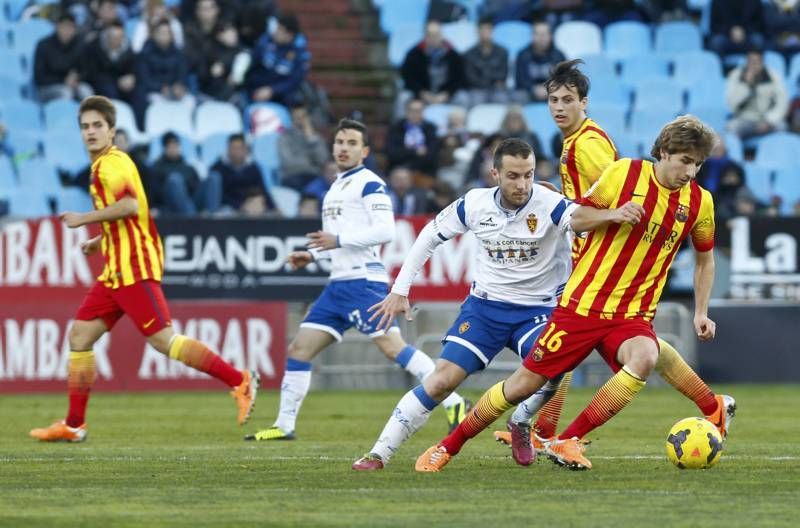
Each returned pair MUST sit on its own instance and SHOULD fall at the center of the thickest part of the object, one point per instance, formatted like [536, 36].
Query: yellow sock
[675, 371]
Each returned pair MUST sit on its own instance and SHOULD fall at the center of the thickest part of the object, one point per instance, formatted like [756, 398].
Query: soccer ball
[694, 443]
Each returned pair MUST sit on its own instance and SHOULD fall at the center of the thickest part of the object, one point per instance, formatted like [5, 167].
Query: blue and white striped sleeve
[562, 214]
[452, 220]
[380, 227]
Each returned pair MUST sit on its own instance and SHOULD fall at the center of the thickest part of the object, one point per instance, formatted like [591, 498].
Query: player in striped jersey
[587, 151]
[130, 283]
[638, 213]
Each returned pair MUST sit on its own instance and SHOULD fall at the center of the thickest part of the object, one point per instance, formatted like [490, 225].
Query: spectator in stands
[603, 12]
[102, 14]
[757, 97]
[534, 62]
[486, 68]
[154, 12]
[443, 194]
[309, 207]
[481, 164]
[242, 181]
[735, 31]
[406, 198]
[224, 67]
[280, 63]
[58, 63]
[199, 33]
[178, 187]
[710, 173]
[503, 10]
[432, 70]
[732, 197]
[454, 138]
[162, 69]
[301, 150]
[793, 119]
[111, 65]
[412, 142]
[664, 10]
[782, 24]
[514, 126]
[319, 186]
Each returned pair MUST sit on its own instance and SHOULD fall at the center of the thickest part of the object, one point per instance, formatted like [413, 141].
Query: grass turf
[179, 460]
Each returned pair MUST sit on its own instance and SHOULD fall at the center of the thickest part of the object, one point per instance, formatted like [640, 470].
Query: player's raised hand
[299, 259]
[388, 309]
[322, 240]
[71, 220]
[706, 328]
[91, 246]
[630, 212]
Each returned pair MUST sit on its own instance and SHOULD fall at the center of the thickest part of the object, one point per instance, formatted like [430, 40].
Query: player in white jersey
[523, 263]
[357, 219]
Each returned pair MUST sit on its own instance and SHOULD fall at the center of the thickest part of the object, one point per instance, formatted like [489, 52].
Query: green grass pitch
[179, 460]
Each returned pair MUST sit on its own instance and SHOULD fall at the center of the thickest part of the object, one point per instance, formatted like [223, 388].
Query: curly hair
[685, 133]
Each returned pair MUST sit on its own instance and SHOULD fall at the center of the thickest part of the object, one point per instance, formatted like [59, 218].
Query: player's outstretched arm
[703, 280]
[390, 307]
[588, 218]
[91, 246]
[299, 259]
[123, 208]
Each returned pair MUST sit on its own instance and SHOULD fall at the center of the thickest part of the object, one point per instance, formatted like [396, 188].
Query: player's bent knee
[83, 335]
[522, 384]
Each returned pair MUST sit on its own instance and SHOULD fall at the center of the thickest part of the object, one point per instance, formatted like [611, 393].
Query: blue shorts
[484, 328]
[343, 304]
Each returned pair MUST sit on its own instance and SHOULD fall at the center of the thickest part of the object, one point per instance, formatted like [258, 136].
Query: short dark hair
[65, 16]
[100, 104]
[486, 20]
[352, 124]
[289, 22]
[566, 73]
[237, 137]
[169, 137]
[514, 147]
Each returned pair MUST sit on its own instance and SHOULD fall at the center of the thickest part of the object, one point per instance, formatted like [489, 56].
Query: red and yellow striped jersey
[586, 153]
[622, 267]
[131, 246]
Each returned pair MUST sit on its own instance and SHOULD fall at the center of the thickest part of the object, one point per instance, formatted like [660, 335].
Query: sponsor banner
[34, 347]
[764, 257]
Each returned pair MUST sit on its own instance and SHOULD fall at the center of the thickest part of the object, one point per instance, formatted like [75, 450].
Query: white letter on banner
[233, 346]
[73, 261]
[45, 256]
[175, 252]
[47, 337]
[21, 348]
[211, 254]
[265, 265]
[782, 255]
[259, 339]
[18, 236]
[236, 252]
[741, 260]
[100, 350]
[154, 364]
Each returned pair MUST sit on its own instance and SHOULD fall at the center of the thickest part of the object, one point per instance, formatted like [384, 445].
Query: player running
[130, 283]
[522, 263]
[639, 214]
[357, 219]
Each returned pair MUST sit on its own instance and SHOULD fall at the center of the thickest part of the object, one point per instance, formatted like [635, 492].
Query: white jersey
[524, 255]
[359, 212]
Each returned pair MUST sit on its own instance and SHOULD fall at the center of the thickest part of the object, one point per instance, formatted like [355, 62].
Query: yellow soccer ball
[694, 443]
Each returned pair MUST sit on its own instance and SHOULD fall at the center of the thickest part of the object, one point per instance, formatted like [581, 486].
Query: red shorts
[569, 338]
[142, 301]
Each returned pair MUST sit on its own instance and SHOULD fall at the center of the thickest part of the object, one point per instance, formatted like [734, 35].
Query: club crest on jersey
[682, 214]
[537, 353]
[532, 221]
[463, 327]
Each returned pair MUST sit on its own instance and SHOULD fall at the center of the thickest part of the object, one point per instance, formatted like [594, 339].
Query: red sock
[196, 355]
[80, 376]
[455, 440]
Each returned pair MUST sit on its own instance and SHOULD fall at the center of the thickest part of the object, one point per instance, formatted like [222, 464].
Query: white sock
[526, 410]
[294, 388]
[406, 419]
[420, 364]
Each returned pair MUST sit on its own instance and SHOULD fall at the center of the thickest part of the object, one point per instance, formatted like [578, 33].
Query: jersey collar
[350, 172]
[508, 212]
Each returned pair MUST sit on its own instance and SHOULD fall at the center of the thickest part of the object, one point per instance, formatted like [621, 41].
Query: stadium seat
[610, 116]
[677, 37]
[639, 67]
[775, 61]
[215, 116]
[13, 67]
[61, 115]
[734, 146]
[26, 34]
[626, 38]
[486, 118]
[8, 178]
[715, 117]
[759, 180]
[462, 35]
[213, 147]
[163, 116]
[73, 199]
[23, 116]
[403, 40]
[779, 150]
[127, 121]
[437, 114]
[539, 120]
[793, 77]
[693, 67]
[577, 38]
[14, 8]
[266, 118]
[24, 144]
[709, 93]
[188, 148]
[658, 93]
[514, 36]
[38, 174]
[646, 124]
[628, 146]
[10, 88]
[599, 67]
[26, 203]
[64, 149]
[787, 186]
[265, 153]
[611, 91]
[286, 199]
[396, 14]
